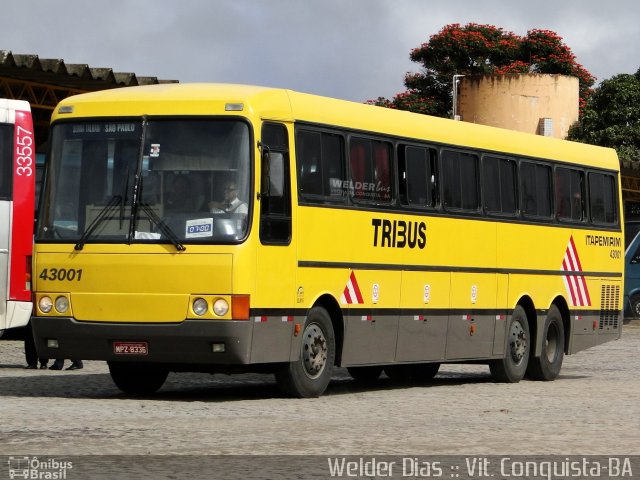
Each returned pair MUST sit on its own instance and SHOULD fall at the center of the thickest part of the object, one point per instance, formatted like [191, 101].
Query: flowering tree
[481, 50]
[611, 117]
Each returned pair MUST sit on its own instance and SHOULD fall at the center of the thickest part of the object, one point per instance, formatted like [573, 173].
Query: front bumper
[187, 342]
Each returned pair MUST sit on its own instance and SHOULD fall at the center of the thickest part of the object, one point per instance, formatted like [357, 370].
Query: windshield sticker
[199, 227]
[155, 150]
[147, 236]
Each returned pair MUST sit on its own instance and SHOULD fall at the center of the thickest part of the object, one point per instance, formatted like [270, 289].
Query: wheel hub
[518, 342]
[551, 344]
[314, 351]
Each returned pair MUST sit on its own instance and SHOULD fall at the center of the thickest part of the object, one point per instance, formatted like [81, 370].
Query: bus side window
[460, 174]
[309, 164]
[499, 185]
[536, 190]
[418, 176]
[371, 167]
[320, 163]
[569, 194]
[602, 199]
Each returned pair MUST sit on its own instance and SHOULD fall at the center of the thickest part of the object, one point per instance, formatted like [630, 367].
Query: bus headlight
[62, 304]
[45, 304]
[200, 306]
[220, 307]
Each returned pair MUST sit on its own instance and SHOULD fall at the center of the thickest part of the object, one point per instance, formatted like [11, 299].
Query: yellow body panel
[427, 290]
[137, 287]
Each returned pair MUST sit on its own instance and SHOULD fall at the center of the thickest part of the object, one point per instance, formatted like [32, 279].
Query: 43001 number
[61, 274]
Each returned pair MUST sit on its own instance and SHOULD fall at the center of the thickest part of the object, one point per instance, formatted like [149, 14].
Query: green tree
[481, 50]
[612, 117]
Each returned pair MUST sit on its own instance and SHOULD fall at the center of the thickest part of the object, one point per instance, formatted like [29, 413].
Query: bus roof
[8, 108]
[288, 105]
[11, 104]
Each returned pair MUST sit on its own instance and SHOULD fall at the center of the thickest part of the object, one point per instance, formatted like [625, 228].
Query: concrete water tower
[542, 104]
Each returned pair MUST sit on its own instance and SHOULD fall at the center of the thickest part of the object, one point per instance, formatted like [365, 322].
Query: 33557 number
[61, 274]
[24, 151]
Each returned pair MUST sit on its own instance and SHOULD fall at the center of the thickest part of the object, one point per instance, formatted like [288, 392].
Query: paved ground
[593, 408]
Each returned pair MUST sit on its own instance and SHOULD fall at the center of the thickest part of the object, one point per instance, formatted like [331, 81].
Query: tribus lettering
[399, 234]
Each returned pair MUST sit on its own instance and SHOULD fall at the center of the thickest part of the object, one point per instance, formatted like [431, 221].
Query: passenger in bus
[231, 203]
[576, 206]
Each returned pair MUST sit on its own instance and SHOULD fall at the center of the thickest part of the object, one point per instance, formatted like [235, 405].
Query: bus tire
[547, 366]
[136, 378]
[309, 376]
[367, 374]
[513, 366]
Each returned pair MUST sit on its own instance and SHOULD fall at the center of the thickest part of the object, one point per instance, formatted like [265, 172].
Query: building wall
[519, 102]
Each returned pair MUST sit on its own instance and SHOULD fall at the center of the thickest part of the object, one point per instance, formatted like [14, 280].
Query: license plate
[130, 348]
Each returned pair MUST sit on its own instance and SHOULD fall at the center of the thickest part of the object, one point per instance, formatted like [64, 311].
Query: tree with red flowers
[481, 50]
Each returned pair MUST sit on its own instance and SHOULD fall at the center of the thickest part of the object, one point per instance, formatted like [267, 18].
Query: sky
[349, 49]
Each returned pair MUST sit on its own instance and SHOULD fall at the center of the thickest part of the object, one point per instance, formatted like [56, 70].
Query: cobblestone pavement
[593, 408]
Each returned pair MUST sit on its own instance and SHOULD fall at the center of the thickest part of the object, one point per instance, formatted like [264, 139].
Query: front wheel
[309, 376]
[512, 367]
[547, 366]
[137, 378]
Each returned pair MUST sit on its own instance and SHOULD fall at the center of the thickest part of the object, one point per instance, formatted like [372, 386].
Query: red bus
[17, 192]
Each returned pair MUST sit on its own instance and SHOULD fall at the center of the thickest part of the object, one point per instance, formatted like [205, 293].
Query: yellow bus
[227, 228]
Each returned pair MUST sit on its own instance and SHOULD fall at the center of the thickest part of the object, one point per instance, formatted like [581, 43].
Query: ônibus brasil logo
[35, 468]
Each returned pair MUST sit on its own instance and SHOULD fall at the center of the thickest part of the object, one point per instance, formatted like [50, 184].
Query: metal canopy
[44, 82]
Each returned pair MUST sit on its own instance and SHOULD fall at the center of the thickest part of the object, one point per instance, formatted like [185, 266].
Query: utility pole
[456, 83]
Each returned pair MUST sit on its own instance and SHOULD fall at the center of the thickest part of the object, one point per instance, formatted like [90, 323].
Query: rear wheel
[309, 376]
[513, 366]
[547, 366]
[137, 378]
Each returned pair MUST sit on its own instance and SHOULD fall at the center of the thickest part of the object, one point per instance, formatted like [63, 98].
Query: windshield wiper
[164, 228]
[125, 189]
[106, 210]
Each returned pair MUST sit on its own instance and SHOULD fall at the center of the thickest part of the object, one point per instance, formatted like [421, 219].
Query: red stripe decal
[576, 284]
[356, 287]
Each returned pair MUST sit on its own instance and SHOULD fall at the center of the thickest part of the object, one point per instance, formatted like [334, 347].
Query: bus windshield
[157, 180]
